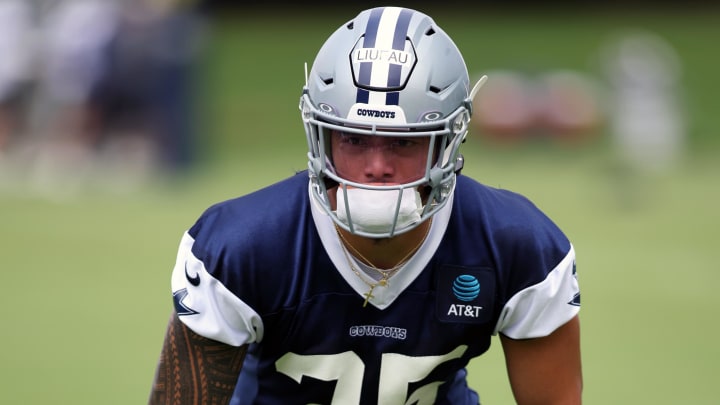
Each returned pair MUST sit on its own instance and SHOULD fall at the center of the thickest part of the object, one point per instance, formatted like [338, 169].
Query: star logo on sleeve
[576, 298]
[180, 307]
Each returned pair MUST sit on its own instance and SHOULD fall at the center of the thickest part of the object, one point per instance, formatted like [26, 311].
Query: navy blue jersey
[265, 270]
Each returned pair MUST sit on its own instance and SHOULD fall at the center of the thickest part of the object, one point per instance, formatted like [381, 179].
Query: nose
[378, 164]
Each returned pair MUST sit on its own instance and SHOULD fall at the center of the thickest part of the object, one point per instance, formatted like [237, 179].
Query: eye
[403, 143]
[352, 139]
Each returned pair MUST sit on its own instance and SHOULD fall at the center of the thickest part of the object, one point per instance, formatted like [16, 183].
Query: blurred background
[120, 121]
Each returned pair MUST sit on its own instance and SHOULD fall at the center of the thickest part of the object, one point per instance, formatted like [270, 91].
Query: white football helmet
[388, 70]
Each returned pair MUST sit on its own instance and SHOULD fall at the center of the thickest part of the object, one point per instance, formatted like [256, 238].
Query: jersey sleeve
[539, 309]
[206, 306]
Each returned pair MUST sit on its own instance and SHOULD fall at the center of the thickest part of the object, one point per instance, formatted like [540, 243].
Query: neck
[385, 253]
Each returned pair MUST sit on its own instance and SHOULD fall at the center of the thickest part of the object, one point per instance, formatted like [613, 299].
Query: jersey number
[396, 372]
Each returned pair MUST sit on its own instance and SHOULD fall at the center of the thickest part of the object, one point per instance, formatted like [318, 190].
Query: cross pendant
[368, 295]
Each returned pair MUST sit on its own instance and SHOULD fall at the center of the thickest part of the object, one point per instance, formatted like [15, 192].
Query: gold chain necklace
[383, 281]
[385, 274]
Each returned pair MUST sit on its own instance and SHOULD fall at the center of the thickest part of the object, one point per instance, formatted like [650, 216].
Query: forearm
[193, 369]
[546, 370]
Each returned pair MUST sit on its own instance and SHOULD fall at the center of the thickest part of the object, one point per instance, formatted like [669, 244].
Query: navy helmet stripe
[363, 96]
[369, 38]
[392, 98]
[401, 29]
[395, 71]
[365, 73]
[394, 75]
[371, 29]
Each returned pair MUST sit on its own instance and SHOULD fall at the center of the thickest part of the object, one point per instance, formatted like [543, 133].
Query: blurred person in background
[148, 88]
[378, 274]
[114, 95]
[644, 73]
[76, 35]
[17, 53]
[646, 110]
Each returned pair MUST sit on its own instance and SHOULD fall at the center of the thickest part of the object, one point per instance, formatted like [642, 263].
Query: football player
[375, 276]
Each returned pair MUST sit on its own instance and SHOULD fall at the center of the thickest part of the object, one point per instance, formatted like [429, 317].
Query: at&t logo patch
[466, 287]
[465, 295]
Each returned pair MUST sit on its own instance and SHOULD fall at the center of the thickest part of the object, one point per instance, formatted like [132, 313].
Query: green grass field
[85, 291]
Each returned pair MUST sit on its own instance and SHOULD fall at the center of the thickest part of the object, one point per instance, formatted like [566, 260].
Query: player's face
[378, 159]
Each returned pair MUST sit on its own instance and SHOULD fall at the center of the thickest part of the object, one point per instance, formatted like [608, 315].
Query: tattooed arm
[194, 369]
